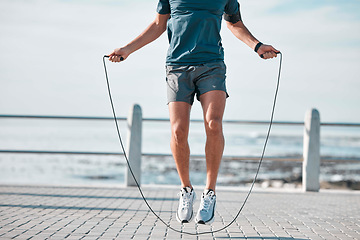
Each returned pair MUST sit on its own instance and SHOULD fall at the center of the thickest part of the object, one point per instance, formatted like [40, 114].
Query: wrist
[258, 45]
[126, 50]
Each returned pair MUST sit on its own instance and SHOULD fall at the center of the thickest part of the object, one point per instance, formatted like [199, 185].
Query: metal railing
[167, 120]
[310, 158]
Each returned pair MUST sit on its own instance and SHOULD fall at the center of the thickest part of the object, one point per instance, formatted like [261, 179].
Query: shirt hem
[192, 63]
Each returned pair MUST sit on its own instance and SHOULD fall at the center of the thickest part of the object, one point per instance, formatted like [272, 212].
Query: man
[195, 66]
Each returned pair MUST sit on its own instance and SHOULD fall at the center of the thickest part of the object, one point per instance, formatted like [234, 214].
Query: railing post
[311, 151]
[133, 146]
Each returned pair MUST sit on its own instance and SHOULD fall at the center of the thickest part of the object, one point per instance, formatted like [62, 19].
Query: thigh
[213, 105]
[179, 115]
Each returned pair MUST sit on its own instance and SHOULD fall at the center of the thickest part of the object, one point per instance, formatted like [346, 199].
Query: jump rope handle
[121, 58]
[262, 55]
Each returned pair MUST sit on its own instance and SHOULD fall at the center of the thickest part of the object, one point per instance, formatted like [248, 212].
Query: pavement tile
[40, 212]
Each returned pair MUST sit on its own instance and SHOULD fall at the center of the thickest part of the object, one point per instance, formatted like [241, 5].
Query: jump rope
[137, 184]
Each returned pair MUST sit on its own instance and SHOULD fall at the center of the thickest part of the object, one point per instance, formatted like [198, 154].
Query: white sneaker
[206, 213]
[185, 213]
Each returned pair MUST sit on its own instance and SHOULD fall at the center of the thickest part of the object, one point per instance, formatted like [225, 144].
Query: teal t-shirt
[194, 29]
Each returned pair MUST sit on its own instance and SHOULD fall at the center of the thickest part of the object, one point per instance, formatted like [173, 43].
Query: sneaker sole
[184, 221]
[210, 221]
[205, 223]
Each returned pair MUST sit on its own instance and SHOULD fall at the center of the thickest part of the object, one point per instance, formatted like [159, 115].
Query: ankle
[187, 186]
[206, 190]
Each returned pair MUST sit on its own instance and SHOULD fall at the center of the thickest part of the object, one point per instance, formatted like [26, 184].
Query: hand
[267, 51]
[118, 55]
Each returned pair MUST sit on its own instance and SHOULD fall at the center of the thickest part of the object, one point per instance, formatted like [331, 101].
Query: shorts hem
[190, 103]
[198, 95]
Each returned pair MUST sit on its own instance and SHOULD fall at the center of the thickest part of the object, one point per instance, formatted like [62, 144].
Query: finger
[114, 59]
[264, 55]
[272, 54]
[275, 50]
[268, 55]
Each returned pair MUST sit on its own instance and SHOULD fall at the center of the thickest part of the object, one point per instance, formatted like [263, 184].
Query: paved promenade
[55, 212]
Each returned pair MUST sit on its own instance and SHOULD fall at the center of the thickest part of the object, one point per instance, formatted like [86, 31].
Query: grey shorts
[183, 82]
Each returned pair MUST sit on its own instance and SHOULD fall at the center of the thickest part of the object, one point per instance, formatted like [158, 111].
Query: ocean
[100, 136]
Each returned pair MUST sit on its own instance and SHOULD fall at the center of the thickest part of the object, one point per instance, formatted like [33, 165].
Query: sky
[51, 59]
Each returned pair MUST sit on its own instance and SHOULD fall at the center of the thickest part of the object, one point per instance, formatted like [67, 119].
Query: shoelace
[185, 200]
[206, 202]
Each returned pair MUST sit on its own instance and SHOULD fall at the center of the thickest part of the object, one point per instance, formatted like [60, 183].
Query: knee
[214, 126]
[179, 134]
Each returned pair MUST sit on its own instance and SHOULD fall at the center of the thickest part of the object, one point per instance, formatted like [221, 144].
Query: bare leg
[213, 104]
[179, 120]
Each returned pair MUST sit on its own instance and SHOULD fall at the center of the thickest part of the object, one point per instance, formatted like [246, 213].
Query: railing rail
[339, 124]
